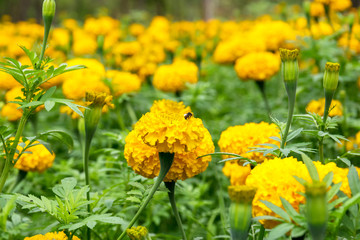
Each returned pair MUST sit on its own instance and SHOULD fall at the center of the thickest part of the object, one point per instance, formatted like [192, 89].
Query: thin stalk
[171, 187]
[46, 35]
[131, 112]
[10, 156]
[87, 177]
[328, 98]
[321, 150]
[261, 85]
[262, 233]
[166, 160]
[291, 92]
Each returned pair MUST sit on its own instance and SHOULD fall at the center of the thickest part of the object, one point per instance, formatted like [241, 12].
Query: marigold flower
[317, 9]
[317, 106]
[257, 66]
[51, 236]
[169, 132]
[125, 82]
[285, 185]
[35, 159]
[128, 48]
[240, 139]
[83, 43]
[136, 29]
[340, 5]
[172, 78]
[138, 233]
[7, 81]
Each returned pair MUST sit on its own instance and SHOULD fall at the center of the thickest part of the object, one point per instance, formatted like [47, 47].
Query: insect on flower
[188, 115]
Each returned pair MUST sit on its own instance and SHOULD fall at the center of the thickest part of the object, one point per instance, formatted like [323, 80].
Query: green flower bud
[48, 9]
[316, 209]
[240, 210]
[331, 76]
[289, 64]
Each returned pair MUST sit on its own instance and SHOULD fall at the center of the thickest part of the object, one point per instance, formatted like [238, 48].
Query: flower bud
[138, 233]
[48, 10]
[331, 76]
[240, 210]
[316, 209]
[289, 64]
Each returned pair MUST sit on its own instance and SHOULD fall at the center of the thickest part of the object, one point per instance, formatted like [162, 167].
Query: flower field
[220, 129]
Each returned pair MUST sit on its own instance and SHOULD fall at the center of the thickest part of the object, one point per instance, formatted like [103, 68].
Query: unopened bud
[240, 210]
[331, 76]
[289, 64]
[316, 209]
[48, 9]
[138, 233]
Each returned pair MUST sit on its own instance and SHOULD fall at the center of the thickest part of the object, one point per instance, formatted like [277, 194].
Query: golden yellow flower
[317, 9]
[125, 82]
[228, 50]
[83, 43]
[357, 139]
[127, 48]
[100, 26]
[340, 5]
[317, 106]
[51, 236]
[236, 172]
[321, 29]
[70, 24]
[258, 66]
[11, 112]
[60, 37]
[240, 139]
[349, 145]
[172, 78]
[35, 159]
[7, 81]
[284, 185]
[136, 29]
[187, 138]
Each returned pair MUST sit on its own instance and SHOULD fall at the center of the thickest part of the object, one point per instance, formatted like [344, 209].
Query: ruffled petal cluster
[317, 106]
[35, 159]
[275, 178]
[51, 236]
[165, 129]
[258, 66]
[173, 77]
[125, 82]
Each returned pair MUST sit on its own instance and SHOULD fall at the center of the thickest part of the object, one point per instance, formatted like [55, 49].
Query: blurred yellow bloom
[127, 48]
[136, 29]
[84, 43]
[51, 236]
[7, 81]
[317, 106]
[317, 9]
[258, 66]
[101, 26]
[35, 159]
[125, 82]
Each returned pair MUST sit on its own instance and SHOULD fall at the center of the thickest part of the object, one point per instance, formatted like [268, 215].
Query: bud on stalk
[316, 209]
[330, 83]
[240, 210]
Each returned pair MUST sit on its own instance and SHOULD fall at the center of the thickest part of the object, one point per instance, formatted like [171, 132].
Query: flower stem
[261, 85]
[10, 156]
[171, 187]
[262, 232]
[291, 92]
[46, 34]
[166, 160]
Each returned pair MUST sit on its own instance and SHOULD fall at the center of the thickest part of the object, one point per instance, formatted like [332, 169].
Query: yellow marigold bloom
[317, 106]
[136, 29]
[340, 5]
[321, 29]
[83, 43]
[228, 50]
[51, 236]
[70, 24]
[147, 70]
[100, 26]
[317, 9]
[284, 185]
[236, 172]
[276, 34]
[11, 112]
[60, 37]
[258, 66]
[349, 145]
[357, 139]
[35, 159]
[240, 139]
[125, 82]
[127, 48]
[172, 78]
[7, 81]
[137, 233]
[354, 43]
[187, 138]
[78, 82]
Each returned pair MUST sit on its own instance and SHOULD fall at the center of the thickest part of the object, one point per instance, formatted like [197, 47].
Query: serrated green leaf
[48, 93]
[49, 105]
[310, 167]
[333, 191]
[280, 231]
[328, 179]
[354, 181]
[289, 208]
[58, 135]
[294, 134]
[278, 210]
[137, 185]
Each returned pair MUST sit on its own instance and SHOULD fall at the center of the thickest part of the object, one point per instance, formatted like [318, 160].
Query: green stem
[291, 92]
[261, 85]
[46, 35]
[166, 160]
[328, 98]
[10, 156]
[87, 177]
[262, 233]
[321, 150]
[171, 187]
[131, 112]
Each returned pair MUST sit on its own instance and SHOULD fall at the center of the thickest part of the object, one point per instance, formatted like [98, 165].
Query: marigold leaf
[310, 167]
